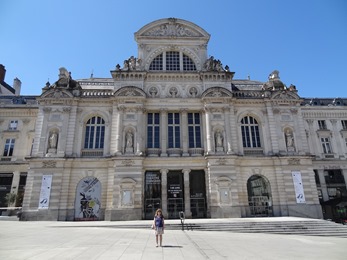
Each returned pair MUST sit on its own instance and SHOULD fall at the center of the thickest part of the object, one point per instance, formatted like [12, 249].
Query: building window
[157, 63]
[13, 125]
[153, 130]
[9, 146]
[174, 130]
[173, 61]
[322, 124]
[188, 63]
[326, 145]
[250, 132]
[194, 130]
[344, 124]
[95, 132]
[316, 177]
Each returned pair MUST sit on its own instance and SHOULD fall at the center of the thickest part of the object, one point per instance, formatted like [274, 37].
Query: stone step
[303, 227]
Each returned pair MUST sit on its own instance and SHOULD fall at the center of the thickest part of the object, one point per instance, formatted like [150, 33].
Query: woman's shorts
[159, 231]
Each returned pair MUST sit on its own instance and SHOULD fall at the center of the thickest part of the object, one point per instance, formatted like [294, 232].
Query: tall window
[250, 132]
[153, 130]
[172, 61]
[344, 124]
[13, 125]
[174, 130]
[9, 146]
[326, 145]
[95, 132]
[322, 125]
[194, 130]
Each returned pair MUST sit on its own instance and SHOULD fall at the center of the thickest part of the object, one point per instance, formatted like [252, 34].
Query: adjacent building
[172, 129]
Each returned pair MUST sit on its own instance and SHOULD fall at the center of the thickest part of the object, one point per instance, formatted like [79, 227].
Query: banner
[298, 187]
[45, 191]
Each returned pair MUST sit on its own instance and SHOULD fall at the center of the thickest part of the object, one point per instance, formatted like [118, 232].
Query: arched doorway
[259, 196]
[88, 199]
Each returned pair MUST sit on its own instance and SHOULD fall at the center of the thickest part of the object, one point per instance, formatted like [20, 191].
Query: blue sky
[306, 40]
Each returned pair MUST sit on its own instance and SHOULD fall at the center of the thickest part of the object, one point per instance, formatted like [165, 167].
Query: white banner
[45, 191]
[298, 187]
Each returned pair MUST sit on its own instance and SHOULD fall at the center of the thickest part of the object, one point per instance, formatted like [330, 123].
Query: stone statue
[289, 139]
[219, 139]
[53, 139]
[129, 139]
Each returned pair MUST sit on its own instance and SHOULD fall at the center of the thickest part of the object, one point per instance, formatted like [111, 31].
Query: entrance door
[175, 194]
[198, 194]
[152, 193]
[259, 196]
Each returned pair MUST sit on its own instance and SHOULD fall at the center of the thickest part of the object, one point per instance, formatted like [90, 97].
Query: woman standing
[158, 225]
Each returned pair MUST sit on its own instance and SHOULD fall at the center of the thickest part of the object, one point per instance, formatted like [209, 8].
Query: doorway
[259, 196]
[175, 194]
[152, 193]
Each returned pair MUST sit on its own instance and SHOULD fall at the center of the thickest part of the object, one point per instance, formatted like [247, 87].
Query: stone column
[163, 132]
[344, 173]
[15, 184]
[185, 137]
[227, 130]
[274, 148]
[314, 148]
[187, 210]
[140, 132]
[117, 127]
[338, 150]
[209, 136]
[164, 191]
[323, 185]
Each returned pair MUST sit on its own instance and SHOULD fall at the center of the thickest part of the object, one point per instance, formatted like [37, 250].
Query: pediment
[285, 95]
[216, 92]
[57, 93]
[130, 92]
[172, 28]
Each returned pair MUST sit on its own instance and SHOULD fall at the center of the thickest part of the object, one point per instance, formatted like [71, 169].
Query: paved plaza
[104, 240]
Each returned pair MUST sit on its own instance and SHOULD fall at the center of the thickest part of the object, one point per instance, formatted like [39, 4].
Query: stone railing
[253, 151]
[153, 151]
[196, 151]
[174, 151]
[92, 153]
[251, 94]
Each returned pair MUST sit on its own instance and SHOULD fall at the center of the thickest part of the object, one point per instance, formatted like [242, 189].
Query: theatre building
[172, 128]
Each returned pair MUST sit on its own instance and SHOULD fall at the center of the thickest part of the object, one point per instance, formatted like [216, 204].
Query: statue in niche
[289, 140]
[53, 140]
[129, 139]
[219, 140]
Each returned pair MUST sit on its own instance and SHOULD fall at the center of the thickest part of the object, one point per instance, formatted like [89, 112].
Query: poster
[298, 187]
[45, 192]
[88, 197]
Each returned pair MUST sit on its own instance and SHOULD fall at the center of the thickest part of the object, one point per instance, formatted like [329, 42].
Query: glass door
[175, 194]
[152, 193]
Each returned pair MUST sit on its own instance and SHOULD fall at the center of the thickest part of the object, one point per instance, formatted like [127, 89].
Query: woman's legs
[156, 239]
[161, 239]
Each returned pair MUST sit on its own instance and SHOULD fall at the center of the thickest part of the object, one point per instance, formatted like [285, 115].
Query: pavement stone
[103, 240]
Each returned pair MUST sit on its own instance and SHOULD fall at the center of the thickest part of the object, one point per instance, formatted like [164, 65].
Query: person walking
[158, 226]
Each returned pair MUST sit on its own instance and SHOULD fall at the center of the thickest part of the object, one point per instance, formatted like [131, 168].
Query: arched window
[172, 61]
[94, 133]
[250, 132]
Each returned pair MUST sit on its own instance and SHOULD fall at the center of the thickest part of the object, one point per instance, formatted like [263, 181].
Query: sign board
[298, 187]
[45, 192]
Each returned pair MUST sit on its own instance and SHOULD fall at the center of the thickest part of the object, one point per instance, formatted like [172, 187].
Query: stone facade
[173, 129]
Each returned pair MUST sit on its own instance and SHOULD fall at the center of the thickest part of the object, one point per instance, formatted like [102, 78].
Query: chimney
[2, 72]
[17, 84]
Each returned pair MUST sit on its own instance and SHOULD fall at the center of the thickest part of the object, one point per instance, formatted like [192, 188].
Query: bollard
[182, 217]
